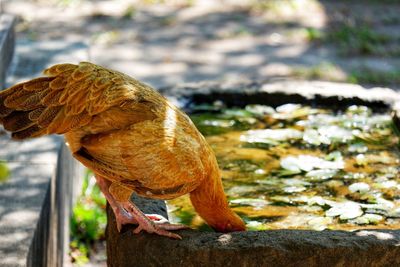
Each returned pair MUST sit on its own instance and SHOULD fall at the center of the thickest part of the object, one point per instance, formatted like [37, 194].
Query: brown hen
[130, 136]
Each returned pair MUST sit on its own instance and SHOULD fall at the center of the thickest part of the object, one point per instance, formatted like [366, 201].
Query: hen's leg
[127, 213]
[150, 226]
[121, 215]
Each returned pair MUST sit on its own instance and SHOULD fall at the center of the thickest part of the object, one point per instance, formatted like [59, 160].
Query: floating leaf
[296, 182]
[313, 137]
[237, 191]
[260, 171]
[237, 113]
[308, 163]
[255, 202]
[293, 111]
[256, 226]
[387, 185]
[354, 175]
[368, 218]
[288, 108]
[270, 136]
[359, 188]
[323, 174]
[318, 120]
[219, 123]
[336, 133]
[260, 109]
[345, 211]
[320, 223]
[358, 147]
[294, 189]
[358, 110]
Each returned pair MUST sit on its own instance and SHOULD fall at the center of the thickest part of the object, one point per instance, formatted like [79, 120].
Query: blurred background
[164, 42]
[167, 42]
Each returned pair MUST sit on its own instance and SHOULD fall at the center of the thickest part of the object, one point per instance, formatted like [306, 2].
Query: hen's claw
[122, 217]
[146, 224]
[162, 229]
[128, 213]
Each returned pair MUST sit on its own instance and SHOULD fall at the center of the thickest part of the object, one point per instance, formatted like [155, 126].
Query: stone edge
[7, 45]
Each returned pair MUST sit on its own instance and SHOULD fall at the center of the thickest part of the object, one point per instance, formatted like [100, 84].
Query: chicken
[130, 136]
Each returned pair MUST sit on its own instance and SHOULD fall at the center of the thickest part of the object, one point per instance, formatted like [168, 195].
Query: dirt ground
[168, 42]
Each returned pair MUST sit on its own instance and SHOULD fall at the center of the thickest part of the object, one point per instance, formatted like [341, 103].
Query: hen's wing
[67, 99]
[147, 158]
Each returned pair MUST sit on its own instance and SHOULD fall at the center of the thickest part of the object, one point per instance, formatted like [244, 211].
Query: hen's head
[230, 222]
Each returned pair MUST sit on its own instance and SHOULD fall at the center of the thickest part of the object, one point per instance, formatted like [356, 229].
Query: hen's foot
[127, 213]
[145, 223]
[123, 217]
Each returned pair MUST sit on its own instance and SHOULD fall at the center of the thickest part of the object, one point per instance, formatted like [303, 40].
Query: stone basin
[374, 247]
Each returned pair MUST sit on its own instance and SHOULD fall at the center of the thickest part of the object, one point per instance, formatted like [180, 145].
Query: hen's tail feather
[68, 98]
[33, 108]
[33, 131]
[17, 121]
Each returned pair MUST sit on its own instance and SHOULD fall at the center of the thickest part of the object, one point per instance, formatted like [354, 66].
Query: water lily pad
[387, 184]
[237, 113]
[318, 120]
[358, 110]
[394, 213]
[282, 199]
[288, 108]
[381, 206]
[296, 182]
[320, 223]
[308, 163]
[379, 120]
[270, 135]
[354, 175]
[260, 171]
[255, 202]
[345, 210]
[256, 226]
[219, 123]
[368, 218]
[323, 174]
[293, 111]
[237, 191]
[320, 201]
[260, 109]
[359, 188]
[358, 147]
[336, 133]
[294, 189]
[313, 137]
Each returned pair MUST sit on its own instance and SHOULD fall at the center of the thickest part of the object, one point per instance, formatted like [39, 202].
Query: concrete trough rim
[271, 247]
[309, 92]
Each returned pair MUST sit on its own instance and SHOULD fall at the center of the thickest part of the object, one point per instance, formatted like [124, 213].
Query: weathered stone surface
[264, 248]
[7, 40]
[268, 248]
